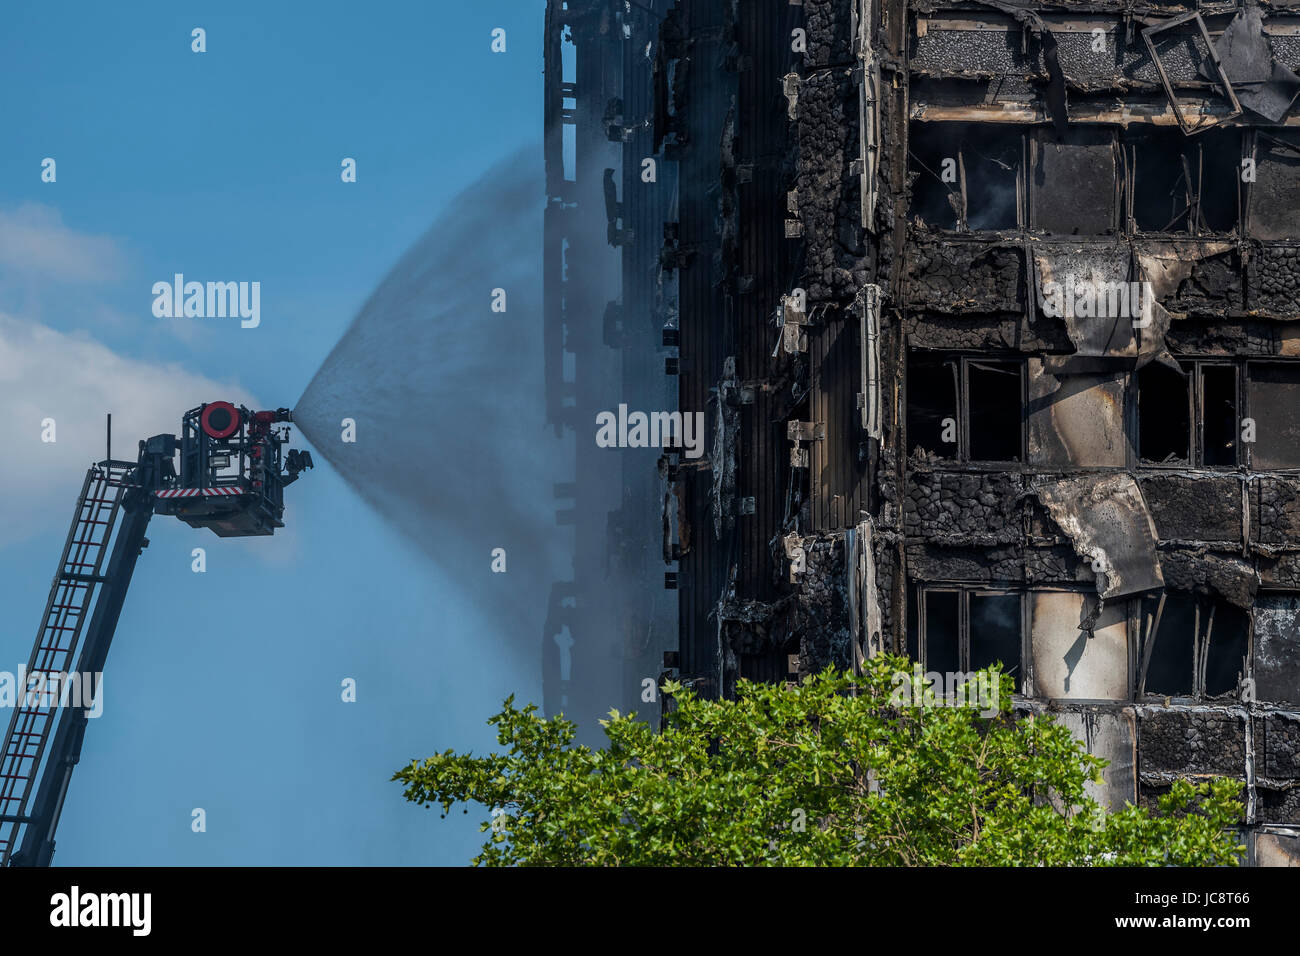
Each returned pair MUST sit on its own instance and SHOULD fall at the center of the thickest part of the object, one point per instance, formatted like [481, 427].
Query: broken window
[995, 399]
[1195, 646]
[1169, 668]
[966, 407]
[1218, 415]
[1073, 187]
[1273, 392]
[941, 622]
[992, 166]
[1218, 201]
[1275, 193]
[1224, 661]
[932, 388]
[1160, 180]
[1176, 46]
[1211, 398]
[1164, 415]
[1168, 403]
[965, 176]
[936, 186]
[963, 629]
[1181, 184]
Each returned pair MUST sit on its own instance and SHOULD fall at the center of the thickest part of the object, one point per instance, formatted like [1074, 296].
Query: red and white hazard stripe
[197, 492]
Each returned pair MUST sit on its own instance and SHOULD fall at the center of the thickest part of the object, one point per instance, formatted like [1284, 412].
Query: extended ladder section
[71, 599]
[232, 480]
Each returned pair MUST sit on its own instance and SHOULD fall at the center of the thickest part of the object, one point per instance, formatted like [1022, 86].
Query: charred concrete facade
[994, 311]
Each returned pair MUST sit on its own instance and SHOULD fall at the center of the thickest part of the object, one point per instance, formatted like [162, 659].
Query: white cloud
[75, 381]
[34, 241]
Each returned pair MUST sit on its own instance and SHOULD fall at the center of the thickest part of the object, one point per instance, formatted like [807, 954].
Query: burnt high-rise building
[993, 311]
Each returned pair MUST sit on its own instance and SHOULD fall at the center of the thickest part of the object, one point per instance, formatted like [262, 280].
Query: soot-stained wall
[880, 185]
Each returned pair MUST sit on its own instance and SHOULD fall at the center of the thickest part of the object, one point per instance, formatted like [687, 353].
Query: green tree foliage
[839, 771]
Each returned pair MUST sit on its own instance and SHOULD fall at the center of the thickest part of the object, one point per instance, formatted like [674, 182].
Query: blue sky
[225, 166]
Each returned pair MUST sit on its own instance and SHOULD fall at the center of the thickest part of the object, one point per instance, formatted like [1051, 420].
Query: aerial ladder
[230, 477]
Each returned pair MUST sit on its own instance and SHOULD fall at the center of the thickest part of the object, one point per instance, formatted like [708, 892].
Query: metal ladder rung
[71, 596]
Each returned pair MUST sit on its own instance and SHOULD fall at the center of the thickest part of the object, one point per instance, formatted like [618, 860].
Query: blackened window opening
[1219, 415]
[942, 631]
[932, 385]
[1164, 423]
[996, 396]
[995, 631]
[1172, 662]
[1229, 640]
